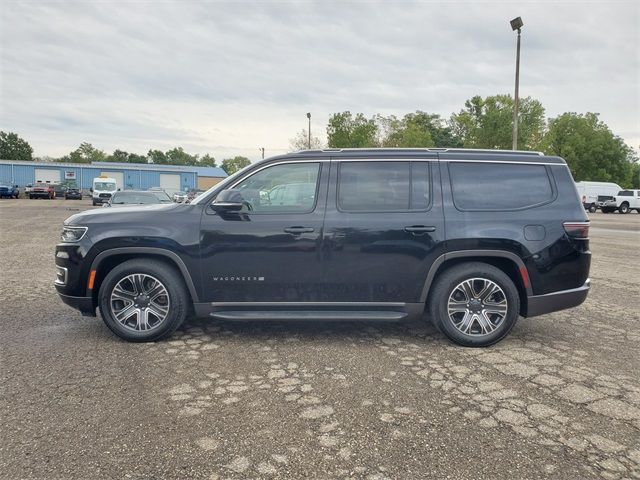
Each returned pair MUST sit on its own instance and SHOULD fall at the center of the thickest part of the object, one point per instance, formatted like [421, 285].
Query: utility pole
[309, 132]
[262, 150]
[516, 24]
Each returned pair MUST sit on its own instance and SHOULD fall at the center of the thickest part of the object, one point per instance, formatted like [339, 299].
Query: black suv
[473, 238]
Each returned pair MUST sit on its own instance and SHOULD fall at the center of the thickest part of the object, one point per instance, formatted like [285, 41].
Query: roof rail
[427, 149]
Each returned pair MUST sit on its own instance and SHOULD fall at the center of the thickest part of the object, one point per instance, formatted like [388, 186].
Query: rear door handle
[419, 229]
[298, 230]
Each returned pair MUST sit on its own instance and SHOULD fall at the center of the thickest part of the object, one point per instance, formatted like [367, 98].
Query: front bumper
[84, 304]
[552, 302]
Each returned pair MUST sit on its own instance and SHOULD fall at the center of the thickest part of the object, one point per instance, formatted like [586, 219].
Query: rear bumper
[552, 302]
[84, 304]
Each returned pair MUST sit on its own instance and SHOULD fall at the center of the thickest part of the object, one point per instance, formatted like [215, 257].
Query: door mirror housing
[230, 200]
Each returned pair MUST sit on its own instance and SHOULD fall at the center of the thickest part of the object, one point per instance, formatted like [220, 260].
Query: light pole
[309, 132]
[516, 24]
[262, 150]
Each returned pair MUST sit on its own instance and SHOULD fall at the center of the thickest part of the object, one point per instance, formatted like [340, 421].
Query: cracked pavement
[558, 398]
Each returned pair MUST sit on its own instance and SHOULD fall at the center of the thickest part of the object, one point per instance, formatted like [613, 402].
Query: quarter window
[284, 188]
[495, 186]
[383, 186]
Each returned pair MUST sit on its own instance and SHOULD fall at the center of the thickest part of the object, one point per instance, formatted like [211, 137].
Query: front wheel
[624, 208]
[143, 300]
[593, 209]
[474, 304]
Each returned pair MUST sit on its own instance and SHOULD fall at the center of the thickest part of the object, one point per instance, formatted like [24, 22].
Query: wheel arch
[108, 259]
[508, 262]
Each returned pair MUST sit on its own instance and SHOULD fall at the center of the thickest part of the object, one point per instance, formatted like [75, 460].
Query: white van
[102, 189]
[590, 191]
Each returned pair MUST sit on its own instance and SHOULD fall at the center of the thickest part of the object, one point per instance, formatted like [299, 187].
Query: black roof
[441, 153]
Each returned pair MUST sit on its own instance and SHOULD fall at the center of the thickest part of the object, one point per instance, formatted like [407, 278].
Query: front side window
[285, 188]
[383, 186]
[499, 186]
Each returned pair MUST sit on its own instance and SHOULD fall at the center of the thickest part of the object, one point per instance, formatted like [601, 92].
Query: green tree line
[591, 149]
[12, 147]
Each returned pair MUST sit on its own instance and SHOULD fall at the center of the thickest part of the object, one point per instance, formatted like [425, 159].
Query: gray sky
[228, 78]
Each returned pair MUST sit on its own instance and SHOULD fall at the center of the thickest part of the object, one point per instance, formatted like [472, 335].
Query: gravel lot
[559, 398]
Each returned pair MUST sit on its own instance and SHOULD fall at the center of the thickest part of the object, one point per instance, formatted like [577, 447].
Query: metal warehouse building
[128, 176]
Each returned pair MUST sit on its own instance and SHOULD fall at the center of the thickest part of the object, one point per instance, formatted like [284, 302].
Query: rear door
[384, 227]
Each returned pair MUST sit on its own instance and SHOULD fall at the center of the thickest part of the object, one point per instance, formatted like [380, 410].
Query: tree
[157, 157]
[402, 133]
[591, 150]
[85, 153]
[301, 141]
[178, 156]
[136, 158]
[118, 156]
[346, 131]
[232, 165]
[207, 161]
[488, 123]
[12, 147]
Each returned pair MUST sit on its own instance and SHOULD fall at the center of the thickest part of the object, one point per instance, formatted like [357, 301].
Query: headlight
[72, 234]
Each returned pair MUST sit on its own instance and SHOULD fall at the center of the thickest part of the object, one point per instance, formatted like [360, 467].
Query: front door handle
[419, 229]
[298, 230]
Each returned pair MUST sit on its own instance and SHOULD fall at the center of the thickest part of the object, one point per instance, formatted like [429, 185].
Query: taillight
[579, 230]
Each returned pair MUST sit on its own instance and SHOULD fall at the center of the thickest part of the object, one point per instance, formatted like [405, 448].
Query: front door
[384, 227]
[270, 250]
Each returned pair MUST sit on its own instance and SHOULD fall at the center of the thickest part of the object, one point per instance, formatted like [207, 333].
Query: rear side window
[383, 186]
[499, 186]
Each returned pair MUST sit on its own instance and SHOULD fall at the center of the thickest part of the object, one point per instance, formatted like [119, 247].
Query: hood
[132, 213]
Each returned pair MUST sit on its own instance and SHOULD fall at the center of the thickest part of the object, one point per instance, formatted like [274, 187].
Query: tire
[624, 208]
[449, 285]
[593, 209]
[94, 203]
[30, 197]
[174, 303]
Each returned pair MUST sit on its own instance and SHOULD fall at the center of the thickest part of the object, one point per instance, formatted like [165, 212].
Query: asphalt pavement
[559, 398]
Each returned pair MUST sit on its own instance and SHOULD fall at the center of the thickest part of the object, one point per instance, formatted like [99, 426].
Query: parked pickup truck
[624, 202]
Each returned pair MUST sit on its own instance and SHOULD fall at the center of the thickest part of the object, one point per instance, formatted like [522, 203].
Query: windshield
[104, 186]
[220, 186]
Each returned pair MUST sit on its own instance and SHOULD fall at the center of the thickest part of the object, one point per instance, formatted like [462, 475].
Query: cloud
[228, 78]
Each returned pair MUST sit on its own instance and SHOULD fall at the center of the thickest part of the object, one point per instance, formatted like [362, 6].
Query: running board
[304, 315]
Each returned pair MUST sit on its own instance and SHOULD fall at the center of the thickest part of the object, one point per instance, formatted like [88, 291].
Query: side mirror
[228, 201]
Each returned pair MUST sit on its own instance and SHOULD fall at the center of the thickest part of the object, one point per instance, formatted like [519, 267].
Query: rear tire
[143, 300]
[624, 208]
[474, 322]
[593, 209]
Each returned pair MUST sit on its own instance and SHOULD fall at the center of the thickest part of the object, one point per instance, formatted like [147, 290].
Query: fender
[152, 251]
[473, 253]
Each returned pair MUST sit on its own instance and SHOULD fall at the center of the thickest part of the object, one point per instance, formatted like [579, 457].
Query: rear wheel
[624, 208]
[474, 304]
[143, 300]
[593, 208]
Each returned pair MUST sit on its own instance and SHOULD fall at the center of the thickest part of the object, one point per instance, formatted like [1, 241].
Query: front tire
[143, 300]
[593, 209]
[474, 304]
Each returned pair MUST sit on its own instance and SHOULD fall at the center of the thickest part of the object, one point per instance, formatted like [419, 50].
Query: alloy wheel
[139, 302]
[477, 306]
